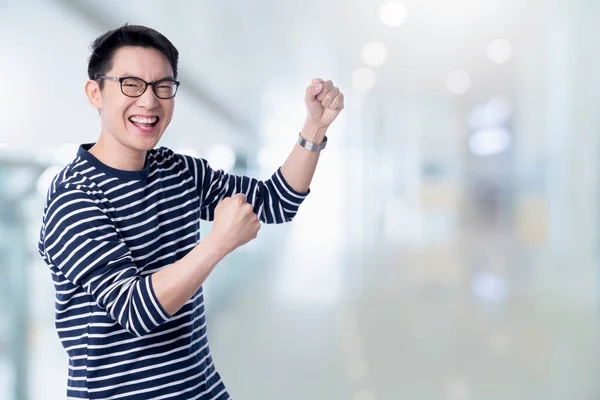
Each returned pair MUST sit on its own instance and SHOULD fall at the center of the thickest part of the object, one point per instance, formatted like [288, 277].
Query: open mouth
[144, 124]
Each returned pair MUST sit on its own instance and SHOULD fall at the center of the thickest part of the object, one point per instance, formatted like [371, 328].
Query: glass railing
[19, 204]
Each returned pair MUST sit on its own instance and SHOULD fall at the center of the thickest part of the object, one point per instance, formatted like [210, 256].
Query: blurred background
[448, 249]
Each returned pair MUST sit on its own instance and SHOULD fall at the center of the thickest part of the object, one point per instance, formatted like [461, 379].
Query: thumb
[240, 198]
[313, 90]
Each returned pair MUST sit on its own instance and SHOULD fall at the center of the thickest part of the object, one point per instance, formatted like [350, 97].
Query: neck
[116, 155]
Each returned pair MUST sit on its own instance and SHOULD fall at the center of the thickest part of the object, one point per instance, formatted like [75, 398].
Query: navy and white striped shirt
[104, 233]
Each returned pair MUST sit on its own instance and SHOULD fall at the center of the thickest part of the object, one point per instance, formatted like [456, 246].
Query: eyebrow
[127, 75]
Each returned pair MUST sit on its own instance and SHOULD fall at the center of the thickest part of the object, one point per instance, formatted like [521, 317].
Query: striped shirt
[104, 233]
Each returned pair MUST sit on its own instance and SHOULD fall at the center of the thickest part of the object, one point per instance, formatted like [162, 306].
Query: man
[120, 229]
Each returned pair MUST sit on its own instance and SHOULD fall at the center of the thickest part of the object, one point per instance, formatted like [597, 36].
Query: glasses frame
[146, 84]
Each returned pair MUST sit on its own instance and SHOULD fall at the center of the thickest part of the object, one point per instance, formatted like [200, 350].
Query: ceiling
[233, 50]
[235, 55]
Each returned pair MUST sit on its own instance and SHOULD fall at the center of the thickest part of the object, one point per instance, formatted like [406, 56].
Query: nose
[148, 100]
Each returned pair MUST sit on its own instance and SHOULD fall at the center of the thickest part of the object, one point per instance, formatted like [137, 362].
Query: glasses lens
[165, 89]
[133, 87]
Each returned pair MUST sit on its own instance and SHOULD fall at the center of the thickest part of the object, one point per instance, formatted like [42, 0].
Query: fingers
[327, 86]
[256, 227]
[330, 97]
[338, 102]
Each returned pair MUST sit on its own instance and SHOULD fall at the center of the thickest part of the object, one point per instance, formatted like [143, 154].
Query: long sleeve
[273, 200]
[82, 243]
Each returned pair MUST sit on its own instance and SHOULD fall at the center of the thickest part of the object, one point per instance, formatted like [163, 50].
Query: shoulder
[166, 157]
[72, 178]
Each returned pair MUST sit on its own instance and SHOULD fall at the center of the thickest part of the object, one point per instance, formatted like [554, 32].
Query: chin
[145, 145]
[144, 142]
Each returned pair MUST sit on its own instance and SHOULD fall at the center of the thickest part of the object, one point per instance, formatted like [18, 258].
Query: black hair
[105, 46]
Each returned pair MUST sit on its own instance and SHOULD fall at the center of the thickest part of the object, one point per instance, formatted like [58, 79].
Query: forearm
[299, 168]
[177, 283]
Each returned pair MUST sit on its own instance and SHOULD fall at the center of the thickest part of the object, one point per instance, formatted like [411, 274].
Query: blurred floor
[481, 314]
[477, 318]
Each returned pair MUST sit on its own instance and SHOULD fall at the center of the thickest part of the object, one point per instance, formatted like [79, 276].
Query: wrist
[217, 245]
[313, 133]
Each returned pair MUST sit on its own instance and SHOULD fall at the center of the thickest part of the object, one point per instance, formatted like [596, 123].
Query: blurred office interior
[448, 248]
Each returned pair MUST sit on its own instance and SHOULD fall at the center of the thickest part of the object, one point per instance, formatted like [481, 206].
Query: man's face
[136, 123]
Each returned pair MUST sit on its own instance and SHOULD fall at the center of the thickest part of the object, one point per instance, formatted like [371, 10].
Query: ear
[92, 91]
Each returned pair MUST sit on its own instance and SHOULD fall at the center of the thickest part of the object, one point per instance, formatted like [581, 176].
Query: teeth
[143, 120]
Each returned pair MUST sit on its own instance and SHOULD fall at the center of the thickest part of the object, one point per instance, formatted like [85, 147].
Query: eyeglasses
[135, 87]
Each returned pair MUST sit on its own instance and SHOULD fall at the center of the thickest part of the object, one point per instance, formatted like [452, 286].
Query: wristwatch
[310, 145]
